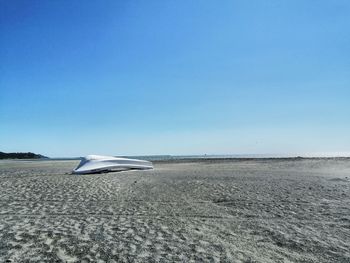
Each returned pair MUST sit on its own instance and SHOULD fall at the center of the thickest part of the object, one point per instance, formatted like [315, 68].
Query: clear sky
[174, 77]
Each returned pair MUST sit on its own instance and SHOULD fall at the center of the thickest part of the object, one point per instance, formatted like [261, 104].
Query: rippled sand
[224, 210]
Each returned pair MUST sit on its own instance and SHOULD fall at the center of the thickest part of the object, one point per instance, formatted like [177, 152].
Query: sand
[183, 211]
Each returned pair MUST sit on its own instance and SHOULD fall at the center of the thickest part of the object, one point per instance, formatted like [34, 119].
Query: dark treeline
[28, 155]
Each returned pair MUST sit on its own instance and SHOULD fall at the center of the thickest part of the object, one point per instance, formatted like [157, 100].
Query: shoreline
[181, 159]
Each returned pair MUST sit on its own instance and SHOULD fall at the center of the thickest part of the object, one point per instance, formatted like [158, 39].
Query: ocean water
[207, 156]
[204, 156]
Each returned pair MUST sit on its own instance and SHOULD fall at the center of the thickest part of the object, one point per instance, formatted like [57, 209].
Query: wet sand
[184, 211]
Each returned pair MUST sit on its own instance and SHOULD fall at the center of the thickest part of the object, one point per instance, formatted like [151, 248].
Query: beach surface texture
[227, 210]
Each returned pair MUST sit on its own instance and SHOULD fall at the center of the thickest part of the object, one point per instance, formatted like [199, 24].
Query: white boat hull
[98, 164]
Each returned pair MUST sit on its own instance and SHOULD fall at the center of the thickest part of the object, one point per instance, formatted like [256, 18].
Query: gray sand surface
[190, 211]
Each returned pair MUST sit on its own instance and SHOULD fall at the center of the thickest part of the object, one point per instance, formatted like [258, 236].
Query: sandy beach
[227, 210]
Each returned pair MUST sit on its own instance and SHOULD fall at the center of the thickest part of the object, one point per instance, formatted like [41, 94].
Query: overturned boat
[99, 164]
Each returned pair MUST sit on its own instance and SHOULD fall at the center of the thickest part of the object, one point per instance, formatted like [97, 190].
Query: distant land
[20, 155]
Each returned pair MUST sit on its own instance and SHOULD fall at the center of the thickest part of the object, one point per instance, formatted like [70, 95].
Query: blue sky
[174, 77]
